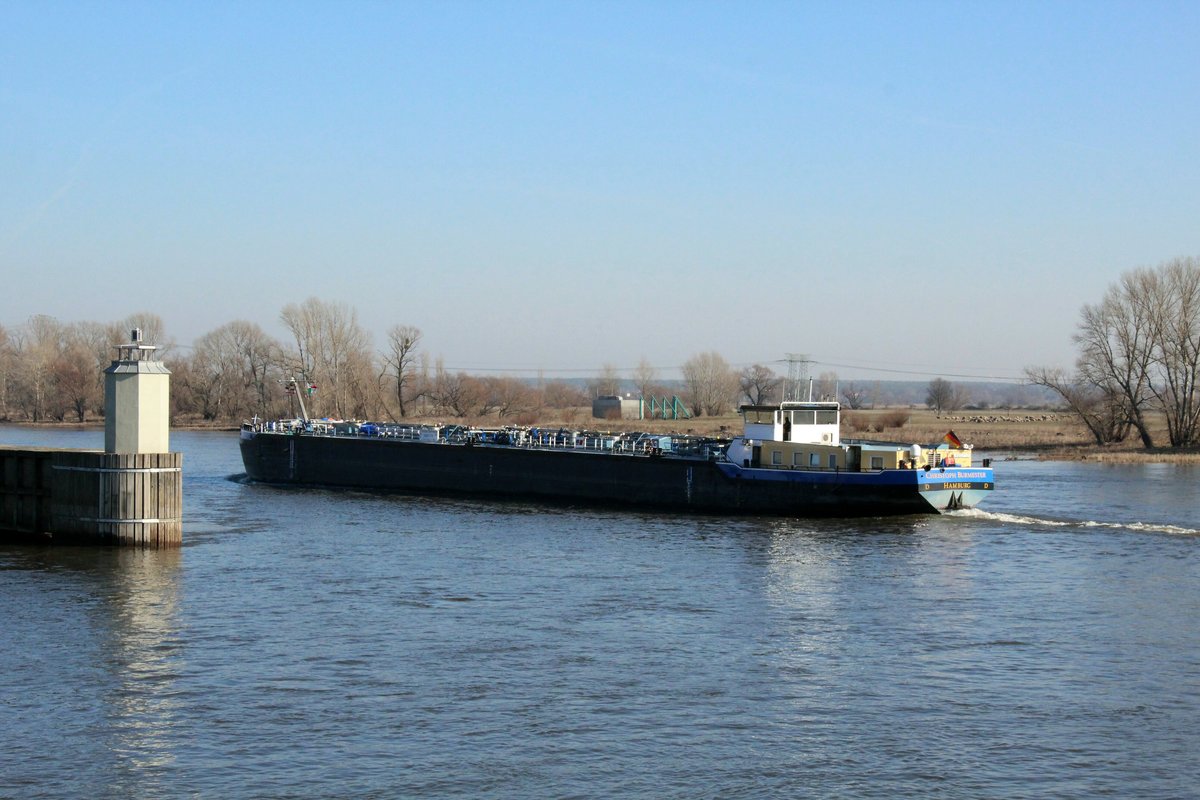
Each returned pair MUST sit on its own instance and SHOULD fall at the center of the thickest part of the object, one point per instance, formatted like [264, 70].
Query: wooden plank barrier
[24, 491]
[92, 497]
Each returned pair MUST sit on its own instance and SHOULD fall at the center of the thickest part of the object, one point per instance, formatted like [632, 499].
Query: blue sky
[926, 187]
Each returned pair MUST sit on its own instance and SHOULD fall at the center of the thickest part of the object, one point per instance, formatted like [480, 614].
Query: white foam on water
[1020, 519]
[1143, 526]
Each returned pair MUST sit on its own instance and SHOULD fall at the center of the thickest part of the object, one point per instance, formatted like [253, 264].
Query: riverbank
[1044, 435]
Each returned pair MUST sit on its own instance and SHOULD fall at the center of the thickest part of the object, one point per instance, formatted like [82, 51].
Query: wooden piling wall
[24, 492]
[91, 497]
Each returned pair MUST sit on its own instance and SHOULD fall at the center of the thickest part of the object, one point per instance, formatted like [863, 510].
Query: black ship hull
[654, 481]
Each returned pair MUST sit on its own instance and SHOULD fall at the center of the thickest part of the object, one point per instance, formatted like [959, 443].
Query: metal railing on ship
[639, 444]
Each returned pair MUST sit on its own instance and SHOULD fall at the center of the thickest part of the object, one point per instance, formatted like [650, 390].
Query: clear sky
[914, 186]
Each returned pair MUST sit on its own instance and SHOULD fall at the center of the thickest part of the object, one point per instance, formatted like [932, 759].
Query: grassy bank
[1046, 435]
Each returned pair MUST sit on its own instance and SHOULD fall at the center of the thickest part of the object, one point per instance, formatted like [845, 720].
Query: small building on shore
[612, 406]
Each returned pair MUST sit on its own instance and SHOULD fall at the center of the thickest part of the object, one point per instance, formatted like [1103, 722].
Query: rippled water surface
[313, 643]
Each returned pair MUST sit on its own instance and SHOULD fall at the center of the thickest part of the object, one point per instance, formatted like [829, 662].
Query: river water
[311, 643]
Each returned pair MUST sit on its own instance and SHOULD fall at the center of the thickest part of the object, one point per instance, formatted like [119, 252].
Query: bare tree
[1102, 414]
[361, 389]
[1176, 385]
[461, 394]
[1139, 352]
[37, 344]
[826, 386]
[559, 394]
[202, 380]
[423, 382]
[712, 385]
[943, 395]
[1116, 339]
[399, 362]
[510, 396]
[77, 381]
[759, 384]
[7, 362]
[231, 372]
[333, 351]
[644, 377]
[61, 367]
[854, 396]
[213, 377]
[183, 400]
[260, 359]
[303, 323]
[608, 382]
[153, 332]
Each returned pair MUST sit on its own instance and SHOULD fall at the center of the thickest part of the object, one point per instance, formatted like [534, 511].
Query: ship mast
[293, 388]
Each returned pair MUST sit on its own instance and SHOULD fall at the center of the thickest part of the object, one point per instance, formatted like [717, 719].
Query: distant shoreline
[1002, 435]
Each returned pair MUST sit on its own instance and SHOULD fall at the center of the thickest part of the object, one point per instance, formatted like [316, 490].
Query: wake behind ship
[789, 461]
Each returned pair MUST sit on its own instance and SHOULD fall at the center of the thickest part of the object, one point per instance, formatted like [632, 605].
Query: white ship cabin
[806, 435]
[792, 435]
[800, 422]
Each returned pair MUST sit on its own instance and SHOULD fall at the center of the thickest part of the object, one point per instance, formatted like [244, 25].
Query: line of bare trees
[1139, 353]
[53, 371]
[342, 376]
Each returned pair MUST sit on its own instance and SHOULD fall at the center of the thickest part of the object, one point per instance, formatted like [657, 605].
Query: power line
[837, 365]
[924, 372]
[554, 370]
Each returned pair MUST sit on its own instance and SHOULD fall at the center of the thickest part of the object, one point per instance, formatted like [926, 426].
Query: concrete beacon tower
[130, 494]
[137, 394]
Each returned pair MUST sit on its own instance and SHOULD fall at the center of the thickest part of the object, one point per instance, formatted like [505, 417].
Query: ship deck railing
[635, 444]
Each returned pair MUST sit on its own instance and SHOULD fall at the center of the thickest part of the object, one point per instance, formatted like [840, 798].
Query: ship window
[776, 457]
[814, 459]
[803, 417]
[833, 460]
[797, 459]
[876, 462]
[827, 417]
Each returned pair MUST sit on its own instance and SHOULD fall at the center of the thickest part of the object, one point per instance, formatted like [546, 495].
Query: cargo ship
[789, 461]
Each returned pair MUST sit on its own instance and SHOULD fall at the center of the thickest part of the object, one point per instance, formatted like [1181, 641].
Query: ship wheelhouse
[793, 421]
[806, 435]
[791, 435]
